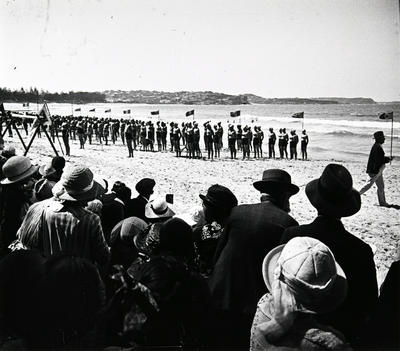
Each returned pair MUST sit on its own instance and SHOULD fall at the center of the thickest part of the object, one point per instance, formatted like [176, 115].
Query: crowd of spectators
[88, 266]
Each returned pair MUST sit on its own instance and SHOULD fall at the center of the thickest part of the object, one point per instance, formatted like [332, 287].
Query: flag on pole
[298, 115]
[107, 111]
[127, 112]
[155, 113]
[190, 113]
[92, 110]
[44, 114]
[78, 109]
[386, 115]
[235, 113]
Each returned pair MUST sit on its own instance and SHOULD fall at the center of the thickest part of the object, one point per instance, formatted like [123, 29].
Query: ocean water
[336, 132]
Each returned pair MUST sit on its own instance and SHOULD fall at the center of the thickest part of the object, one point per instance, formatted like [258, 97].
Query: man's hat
[17, 168]
[378, 135]
[308, 268]
[273, 178]
[333, 192]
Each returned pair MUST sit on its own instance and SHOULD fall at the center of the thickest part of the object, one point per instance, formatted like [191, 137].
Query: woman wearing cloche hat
[304, 280]
[17, 194]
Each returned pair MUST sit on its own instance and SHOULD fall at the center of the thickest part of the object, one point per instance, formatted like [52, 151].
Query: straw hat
[76, 184]
[333, 193]
[273, 178]
[17, 168]
[308, 268]
[158, 208]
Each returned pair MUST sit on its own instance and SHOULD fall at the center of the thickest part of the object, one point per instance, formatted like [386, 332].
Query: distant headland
[161, 97]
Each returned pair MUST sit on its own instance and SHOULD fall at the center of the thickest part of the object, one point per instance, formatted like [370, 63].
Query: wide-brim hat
[16, 169]
[76, 184]
[273, 178]
[158, 208]
[310, 298]
[333, 193]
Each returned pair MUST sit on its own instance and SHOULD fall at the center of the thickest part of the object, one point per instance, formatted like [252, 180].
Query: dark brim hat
[325, 302]
[145, 185]
[273, 178]
[333, 193]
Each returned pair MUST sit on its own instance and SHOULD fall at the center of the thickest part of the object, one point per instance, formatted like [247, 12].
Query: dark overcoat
[357, 261]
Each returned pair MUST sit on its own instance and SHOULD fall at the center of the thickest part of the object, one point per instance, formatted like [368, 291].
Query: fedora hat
[16, 169]
[158, 208]
[272, 178]
[333, 192]
[76, 184]
[308, 268]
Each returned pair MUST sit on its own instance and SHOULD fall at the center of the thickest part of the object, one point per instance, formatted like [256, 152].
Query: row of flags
[44, 112]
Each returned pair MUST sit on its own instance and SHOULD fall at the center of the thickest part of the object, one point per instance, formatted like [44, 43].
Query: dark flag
[190, 113]
[388, 115]
[298, 115]
[92, 110]
[127, 112]
[235, 113]
[78, 109]
[155, 113]
[107, 111]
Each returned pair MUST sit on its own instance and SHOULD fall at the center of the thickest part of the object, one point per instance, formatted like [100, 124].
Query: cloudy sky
[273, 48]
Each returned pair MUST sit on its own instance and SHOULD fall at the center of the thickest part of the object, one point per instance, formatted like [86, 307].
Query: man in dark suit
[251, 232]
[376, 164]
[136, 207]
[334, 197]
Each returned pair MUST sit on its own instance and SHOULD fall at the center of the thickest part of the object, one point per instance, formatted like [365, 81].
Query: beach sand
[185, 178]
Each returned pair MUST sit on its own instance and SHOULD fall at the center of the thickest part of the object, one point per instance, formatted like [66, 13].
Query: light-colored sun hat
[76, 184]
[158, 208]
[308, 268]
[17, 168]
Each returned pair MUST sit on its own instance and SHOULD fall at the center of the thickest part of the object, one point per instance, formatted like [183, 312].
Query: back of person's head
[218, 203]
[122, 191]
[49, 302]
[58, 163]
[176, 238]
[72, 296]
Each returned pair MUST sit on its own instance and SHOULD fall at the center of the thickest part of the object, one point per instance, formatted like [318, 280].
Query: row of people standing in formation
[148, 136]
[102, 268]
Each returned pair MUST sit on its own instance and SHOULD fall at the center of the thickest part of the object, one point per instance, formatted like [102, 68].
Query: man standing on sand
[376, 164]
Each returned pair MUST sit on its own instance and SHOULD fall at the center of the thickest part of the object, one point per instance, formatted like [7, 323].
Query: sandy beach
[186, 178]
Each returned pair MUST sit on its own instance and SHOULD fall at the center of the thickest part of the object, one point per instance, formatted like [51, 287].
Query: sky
[280, 48]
